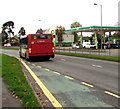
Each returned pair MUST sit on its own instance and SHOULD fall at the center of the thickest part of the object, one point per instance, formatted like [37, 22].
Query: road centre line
[96, 66]
[87, 84]
[69, 77]
[112, 94]
[52, 99]
[56, 73]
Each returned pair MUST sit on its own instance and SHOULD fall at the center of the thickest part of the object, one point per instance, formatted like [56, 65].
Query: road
[102, 75]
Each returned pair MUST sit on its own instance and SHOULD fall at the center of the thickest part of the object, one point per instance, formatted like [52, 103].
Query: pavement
[8, 100]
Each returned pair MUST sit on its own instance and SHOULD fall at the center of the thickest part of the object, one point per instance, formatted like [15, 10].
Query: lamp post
[101, 21]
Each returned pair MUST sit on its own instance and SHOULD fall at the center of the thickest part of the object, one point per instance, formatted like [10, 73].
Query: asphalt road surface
[102, 75]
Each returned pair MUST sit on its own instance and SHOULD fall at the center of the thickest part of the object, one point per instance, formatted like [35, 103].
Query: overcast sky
[34, 14]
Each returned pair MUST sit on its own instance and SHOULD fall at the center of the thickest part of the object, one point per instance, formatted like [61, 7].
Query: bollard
[109, 52]
[59, 48]
[69, 50]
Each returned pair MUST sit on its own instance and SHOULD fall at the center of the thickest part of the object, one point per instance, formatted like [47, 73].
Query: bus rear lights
[29, 50]
[53, 49]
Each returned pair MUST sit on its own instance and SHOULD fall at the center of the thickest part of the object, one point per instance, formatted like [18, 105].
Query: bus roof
[39, 33]
[22, 37]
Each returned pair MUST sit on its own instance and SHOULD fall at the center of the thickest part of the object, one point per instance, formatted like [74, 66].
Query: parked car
[76, 46]
[113, 46]
[7, 45]
[89, 46]
[103, 46]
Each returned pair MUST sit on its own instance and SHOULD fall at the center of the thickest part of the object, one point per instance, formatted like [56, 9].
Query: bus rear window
[41, 36]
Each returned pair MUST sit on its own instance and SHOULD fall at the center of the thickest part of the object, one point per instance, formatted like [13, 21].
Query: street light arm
[98, 4]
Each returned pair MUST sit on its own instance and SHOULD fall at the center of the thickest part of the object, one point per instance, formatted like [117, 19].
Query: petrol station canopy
[94, 29]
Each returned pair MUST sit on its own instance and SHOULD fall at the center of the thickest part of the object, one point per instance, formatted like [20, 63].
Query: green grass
[10, 48]
[18, 85]
[110, 58]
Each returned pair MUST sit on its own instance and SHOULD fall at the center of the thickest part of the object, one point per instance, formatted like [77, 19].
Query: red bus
[37, 45]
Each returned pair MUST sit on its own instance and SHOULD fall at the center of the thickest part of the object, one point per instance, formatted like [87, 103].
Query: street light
[101, 21]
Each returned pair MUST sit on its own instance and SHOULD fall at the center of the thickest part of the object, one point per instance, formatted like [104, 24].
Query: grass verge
[10, 48]
[110, 58]
[13, 75]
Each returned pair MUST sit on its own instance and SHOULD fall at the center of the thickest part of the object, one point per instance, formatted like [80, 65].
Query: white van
[88, 45]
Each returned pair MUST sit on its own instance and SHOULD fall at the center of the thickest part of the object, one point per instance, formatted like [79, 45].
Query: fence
[104, 52]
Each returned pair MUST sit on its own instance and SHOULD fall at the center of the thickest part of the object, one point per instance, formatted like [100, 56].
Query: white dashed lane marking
[97, 66]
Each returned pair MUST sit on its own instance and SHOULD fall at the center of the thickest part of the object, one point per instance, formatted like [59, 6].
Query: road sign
[52, 31]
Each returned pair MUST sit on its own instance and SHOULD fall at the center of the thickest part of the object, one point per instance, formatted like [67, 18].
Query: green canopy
[94, 29]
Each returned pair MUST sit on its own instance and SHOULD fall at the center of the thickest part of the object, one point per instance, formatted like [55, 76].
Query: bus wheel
[20, 55]
[27, 57]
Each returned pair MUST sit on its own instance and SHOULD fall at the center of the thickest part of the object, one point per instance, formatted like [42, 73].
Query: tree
[9, 26]
[59, 32]
[7, 31]
[4, 37]
[22, 31]
[75, 25]
[117, 34]
[117, 24]
[39, 30]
